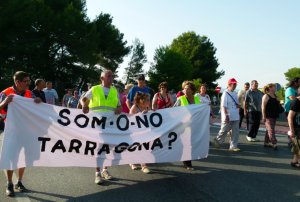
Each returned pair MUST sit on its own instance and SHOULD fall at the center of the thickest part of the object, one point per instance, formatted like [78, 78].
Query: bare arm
[291, 123]
[245, 108]
[133, 110]
[128, 103]
[263, 106]
[292, 97]
[7, 100]
[154, 103]
[63, 103]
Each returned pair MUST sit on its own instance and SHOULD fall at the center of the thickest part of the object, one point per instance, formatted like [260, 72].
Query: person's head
[189, 88]
[270, 88]
[295, 82]
[142, 99]
[69, 91]
[121, 90]
[246, 86]
[128, 87]
[231, 84]
[146, 83]
[140, 79]
[254, 85]
[21, 80]
[90, 85]
[172, 92]
[49, 85]
[107, 77]
[203, 88]
[39, 83]
[163, 87]
[76, 93]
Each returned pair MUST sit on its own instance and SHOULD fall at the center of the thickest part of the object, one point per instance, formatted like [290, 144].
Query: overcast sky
[257, 39]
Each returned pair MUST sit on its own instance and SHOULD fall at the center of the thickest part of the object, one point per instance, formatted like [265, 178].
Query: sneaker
[217, 145]
[10, 190]
[106, 175]
[98, 179]
[234, 149]
[20, 187]
[249, 139]
[255, 140]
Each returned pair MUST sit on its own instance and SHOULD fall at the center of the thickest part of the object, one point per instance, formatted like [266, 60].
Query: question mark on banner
[172, 140]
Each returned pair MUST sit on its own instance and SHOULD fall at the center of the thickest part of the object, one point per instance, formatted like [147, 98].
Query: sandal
[269, 146]
[145, 169]
[275, 147]
[133, 167]
[297, 165]
[190, 168]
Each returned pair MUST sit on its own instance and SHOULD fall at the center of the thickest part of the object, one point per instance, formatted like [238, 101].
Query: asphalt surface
[254, 174]
[282, 117]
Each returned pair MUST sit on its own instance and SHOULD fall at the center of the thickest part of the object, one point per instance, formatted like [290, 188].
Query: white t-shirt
[205, 99]
[50, 96]
[232, 110]
[89, 94]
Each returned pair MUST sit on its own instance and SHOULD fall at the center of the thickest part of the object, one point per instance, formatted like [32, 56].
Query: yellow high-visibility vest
[184, 100]
[99, 103]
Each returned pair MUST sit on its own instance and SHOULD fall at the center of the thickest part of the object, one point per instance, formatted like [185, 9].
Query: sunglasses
[141, 79]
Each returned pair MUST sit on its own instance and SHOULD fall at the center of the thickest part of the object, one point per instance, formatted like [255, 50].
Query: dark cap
[140, 76]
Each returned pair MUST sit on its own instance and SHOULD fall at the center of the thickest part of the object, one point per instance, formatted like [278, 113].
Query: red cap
[232, 81]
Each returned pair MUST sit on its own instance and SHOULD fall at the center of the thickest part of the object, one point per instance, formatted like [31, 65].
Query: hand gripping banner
[52, 136]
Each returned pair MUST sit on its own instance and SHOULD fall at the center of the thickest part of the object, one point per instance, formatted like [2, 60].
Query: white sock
[103, 170]
[98, 173]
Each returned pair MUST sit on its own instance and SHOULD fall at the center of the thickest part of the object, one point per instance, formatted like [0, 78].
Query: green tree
[137, 59]
[55, 40]
[281, 93]
[170, 66]
[291, 73]
[201, 53]
[198, 83]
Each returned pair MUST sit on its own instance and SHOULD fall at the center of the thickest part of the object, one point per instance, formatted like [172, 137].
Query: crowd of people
[249, 102]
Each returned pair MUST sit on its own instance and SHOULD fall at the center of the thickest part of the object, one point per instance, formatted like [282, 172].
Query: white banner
[51, 136]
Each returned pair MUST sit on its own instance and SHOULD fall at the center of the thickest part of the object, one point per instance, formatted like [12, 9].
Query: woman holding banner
[141, 104]
[188, 98]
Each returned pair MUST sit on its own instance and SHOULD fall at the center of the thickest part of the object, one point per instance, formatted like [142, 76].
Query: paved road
[282, 117]
[254, 174]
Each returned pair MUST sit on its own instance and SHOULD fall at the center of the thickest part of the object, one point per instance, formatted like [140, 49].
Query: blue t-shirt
[135, 89]
[289, 91]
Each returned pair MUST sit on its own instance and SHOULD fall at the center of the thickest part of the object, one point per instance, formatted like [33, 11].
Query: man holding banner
[102, 98]
[20, 87]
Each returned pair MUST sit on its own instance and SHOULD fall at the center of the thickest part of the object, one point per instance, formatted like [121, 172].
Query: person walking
[66, 98]
[73, 101]
[20, 87]
[102, 98]
[140, 87]
[124, 105]
[241, 96]
[50, 94]
[229, 117]
[215, 100]
[188, 98]
[141, 104]
[270, 113]
[294, 124]
[38, 90]
[252, 110]
[291, 93]
[162, 99]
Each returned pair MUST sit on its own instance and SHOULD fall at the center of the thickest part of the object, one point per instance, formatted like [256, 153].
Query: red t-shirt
[125, 108]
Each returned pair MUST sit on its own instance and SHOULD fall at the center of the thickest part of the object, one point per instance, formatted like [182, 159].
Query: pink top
[125, 108]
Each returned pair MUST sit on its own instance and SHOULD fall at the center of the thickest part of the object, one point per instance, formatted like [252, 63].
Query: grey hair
[252, 82]
[103, 73]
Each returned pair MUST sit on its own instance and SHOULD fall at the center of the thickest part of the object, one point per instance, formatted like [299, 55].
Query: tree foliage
[291, 73]
[281, 93]
[170, 66]
[55, 40]
[201, 53]
[137, 59]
